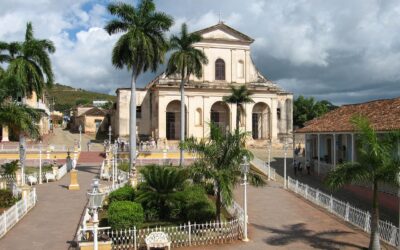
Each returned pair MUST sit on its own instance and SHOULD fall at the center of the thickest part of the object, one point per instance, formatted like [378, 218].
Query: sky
[342, 51]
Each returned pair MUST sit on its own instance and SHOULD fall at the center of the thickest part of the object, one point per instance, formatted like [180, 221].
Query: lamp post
[245, 170]
[114, 165]
[109, 133]
[269, 158]
[40, 162]
[285, 147]
[22, 161]
[80, 136]
[95, 201]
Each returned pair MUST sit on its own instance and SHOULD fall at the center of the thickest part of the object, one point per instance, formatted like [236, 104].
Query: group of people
[298, 167]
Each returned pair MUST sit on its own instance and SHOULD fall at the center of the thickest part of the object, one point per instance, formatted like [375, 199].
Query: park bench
[105, 176]
[49, 176]
[32, 180]
[158, 240]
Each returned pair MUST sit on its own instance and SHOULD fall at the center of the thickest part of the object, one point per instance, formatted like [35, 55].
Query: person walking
[300, 168]
[295, 167]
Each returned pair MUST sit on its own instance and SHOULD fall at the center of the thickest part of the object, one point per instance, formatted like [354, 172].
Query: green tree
[306, 109]
[142, 47]
[185, 60]
[238, 96]
[29, 65]
[219, 160]
[10, 167]
[378, 162]
[161, 188]
[82, 101]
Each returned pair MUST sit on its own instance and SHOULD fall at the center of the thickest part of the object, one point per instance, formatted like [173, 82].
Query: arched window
[219, 69]
[198, 117]
[240, 69]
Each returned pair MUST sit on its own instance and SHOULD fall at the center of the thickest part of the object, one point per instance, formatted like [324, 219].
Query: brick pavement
[53, 222]
[281, 220]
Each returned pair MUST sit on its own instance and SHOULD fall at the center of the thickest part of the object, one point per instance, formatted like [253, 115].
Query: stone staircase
[91, 157]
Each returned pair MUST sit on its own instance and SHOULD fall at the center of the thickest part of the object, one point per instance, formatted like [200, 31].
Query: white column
[162, 118]
[352, 147]
[4, 134]
[274, 119]
[334, 151]
[318, 153]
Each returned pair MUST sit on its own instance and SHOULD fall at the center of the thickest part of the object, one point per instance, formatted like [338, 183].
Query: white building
[230, 64]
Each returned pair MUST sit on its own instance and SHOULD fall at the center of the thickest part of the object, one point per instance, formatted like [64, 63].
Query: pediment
[222, 31]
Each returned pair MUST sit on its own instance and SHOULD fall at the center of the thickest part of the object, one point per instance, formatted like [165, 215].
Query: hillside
[66, 97]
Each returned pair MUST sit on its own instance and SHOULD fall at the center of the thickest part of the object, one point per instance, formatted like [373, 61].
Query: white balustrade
[388, 232]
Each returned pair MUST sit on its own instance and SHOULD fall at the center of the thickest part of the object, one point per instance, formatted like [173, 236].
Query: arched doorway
[261, 126]
[220, 115]
[173, 122]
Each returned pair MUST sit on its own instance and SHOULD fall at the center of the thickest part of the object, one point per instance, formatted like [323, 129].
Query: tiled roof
[95, 112]
[384, 115]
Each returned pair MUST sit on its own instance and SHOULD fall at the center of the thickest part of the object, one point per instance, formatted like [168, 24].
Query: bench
[32, 180]
[49, 176]
[157, 240]
[105, 176]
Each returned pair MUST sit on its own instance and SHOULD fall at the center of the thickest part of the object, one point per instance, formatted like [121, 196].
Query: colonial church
[230, 64]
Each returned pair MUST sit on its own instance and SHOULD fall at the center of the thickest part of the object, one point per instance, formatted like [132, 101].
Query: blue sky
[342, 51]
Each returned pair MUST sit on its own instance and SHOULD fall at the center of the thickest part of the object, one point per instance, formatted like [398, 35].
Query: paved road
[54, 220]
[281, 220]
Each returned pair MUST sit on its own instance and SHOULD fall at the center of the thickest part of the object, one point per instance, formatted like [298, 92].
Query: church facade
[230, 64]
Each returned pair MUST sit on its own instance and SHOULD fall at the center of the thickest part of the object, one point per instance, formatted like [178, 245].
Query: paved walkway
[53, 222]
[281, 220]
[360, 199]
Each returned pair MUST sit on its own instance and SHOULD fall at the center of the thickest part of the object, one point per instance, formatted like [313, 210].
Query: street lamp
[22, 152]
[285, 147]
[269, 158]
[245, 170]
[109, 133]
[95, 201]
[80, 136]
[40, 162]
[114, 165]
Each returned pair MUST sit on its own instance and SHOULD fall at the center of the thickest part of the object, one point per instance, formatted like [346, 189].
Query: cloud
[344, 51]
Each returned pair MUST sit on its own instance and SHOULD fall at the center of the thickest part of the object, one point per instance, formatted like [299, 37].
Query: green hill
[66, 97]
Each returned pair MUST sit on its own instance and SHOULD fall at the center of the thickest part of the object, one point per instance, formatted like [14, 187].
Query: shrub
[126, 193]
[7, 199]
[196, 206]
[125, 214]
[124, 166]
[10, 168]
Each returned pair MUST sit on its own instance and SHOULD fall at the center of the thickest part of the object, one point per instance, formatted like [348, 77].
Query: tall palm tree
[238, 96]
[161, 188]
[378, 162]
[218, 160]
[29, 66]
[142, 47]
[186, 60]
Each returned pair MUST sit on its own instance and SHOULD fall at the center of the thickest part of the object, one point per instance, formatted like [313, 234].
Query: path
[281, 220]
[54, 220]
[389, 205]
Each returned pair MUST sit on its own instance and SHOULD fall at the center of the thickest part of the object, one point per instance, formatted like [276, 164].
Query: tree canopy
[306, 109]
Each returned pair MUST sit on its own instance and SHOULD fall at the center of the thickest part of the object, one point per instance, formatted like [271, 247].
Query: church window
[278, 113]
[198, 117]
[219, 69]
[240, 69]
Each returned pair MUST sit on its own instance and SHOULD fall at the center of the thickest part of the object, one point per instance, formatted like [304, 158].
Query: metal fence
[15, 213]
[388, 232]
[190, 234]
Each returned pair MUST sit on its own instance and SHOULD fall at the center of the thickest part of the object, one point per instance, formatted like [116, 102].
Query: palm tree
[161, 188]
[218, 160]
[377, 163]
[142, 47]
[29, 65]
[186, 60]
[239, 96]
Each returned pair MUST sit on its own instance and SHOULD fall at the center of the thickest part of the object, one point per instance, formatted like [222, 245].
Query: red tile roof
[384, 115]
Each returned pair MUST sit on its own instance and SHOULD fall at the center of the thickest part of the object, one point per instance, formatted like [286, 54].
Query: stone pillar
[274, 120]
[162, 118]
[5, 134]
[18, 177]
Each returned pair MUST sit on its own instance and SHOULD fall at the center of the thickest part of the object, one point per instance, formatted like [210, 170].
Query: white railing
[62, 171]
[265, 168]
[359, 218]
[236, 211]
[35, 148]
[190, 234]
[15, 213]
